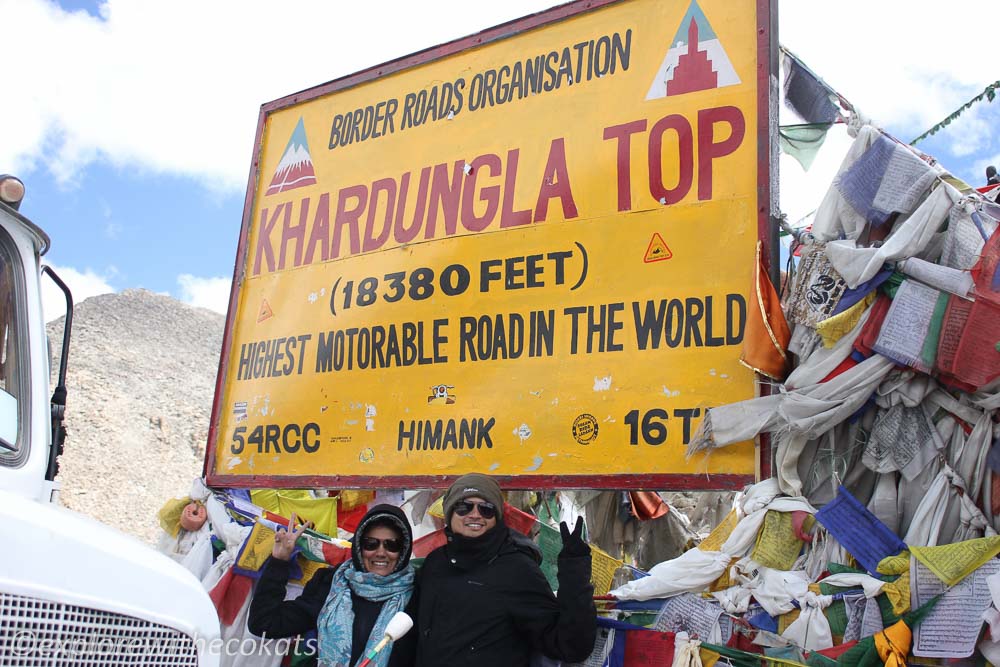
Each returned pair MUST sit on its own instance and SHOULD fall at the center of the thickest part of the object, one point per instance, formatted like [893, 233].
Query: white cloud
[82, 284]
[894, 59]
[211, 293]
[175, 87]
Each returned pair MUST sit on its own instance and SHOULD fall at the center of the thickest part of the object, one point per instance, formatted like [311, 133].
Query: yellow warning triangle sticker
[265, 312]
[657, 250]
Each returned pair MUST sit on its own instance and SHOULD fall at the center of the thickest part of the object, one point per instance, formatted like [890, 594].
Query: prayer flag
[720, 533]
[766, 336]
[836, 327]
[647, 505]
[255, 550]
[428, 543]
[517, 520]
[648, 647]
[229, 594]
[323, 550]
[603, 567]
[807, 95]
[952, 563]
[283, 502]
[888, 178]
[803, 142]
[349, 520]
[858, 530]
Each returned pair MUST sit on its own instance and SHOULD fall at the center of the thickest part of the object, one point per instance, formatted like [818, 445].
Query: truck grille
[35, 632]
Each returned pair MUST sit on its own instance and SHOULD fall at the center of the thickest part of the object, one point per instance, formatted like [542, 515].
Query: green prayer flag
[802, 142]
[550, 542]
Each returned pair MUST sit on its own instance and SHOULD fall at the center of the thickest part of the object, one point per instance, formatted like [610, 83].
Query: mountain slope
[141, 376]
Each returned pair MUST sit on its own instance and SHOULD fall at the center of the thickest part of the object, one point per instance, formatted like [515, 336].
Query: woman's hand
[284, 540]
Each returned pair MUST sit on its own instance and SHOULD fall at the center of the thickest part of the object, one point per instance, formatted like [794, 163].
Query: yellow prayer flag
[708, 657]
[603, 567]
[897, 564]
[269, 499]
[725, 579]
[321, 511]
[351, 499]
[437, 508]
[784, 620]
[170, 515]
[834, 328]
[893, 644]
[309, 569]
[256, 549]
[898, 593]
[720, 533]
[775, 662]
[954, 562]
[777, 546]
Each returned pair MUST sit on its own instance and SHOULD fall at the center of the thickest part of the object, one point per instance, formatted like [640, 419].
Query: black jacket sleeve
[272, 616]
[563, 628]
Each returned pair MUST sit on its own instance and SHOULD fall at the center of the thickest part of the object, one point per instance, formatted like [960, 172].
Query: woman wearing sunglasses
[349, 606]
[484, 601]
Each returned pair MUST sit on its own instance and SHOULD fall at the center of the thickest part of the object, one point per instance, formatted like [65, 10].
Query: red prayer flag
[229, 594]
[844, 366]
[517, 520]
[648, 647]
[428, 543]
[334, 555]
[835, 652]
[873, 325]
[349, 519]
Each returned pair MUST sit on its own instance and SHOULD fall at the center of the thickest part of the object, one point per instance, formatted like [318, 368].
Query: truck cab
[72, 590]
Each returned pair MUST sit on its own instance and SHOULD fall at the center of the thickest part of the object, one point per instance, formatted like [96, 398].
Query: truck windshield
[12, 322]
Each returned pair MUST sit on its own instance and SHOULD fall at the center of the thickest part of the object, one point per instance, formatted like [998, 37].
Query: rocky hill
[141, 376]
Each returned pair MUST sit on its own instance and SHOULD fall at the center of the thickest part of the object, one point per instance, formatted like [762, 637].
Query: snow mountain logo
[695, 61]
[296, 168]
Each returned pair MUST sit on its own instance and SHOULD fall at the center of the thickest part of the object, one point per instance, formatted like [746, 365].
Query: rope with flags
[989, 93]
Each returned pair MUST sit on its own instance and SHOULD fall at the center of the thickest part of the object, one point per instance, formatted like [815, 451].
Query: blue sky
[132, 123]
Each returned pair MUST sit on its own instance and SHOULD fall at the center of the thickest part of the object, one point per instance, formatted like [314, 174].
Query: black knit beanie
[473, 485]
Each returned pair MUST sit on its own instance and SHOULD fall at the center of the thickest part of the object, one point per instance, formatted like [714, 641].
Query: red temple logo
[695, 61]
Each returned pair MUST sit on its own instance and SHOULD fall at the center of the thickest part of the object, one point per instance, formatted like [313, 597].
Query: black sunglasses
[486, 510]
[392, 545]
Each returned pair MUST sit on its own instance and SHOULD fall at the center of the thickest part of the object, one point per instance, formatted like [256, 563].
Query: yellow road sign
[453, 252]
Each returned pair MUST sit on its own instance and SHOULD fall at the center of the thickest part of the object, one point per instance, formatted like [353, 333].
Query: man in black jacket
[484, 601]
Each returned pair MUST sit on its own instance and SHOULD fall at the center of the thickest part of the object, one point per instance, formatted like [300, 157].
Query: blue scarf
[335, 623]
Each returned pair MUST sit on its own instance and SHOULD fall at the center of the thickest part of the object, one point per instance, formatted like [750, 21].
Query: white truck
[72, 590]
